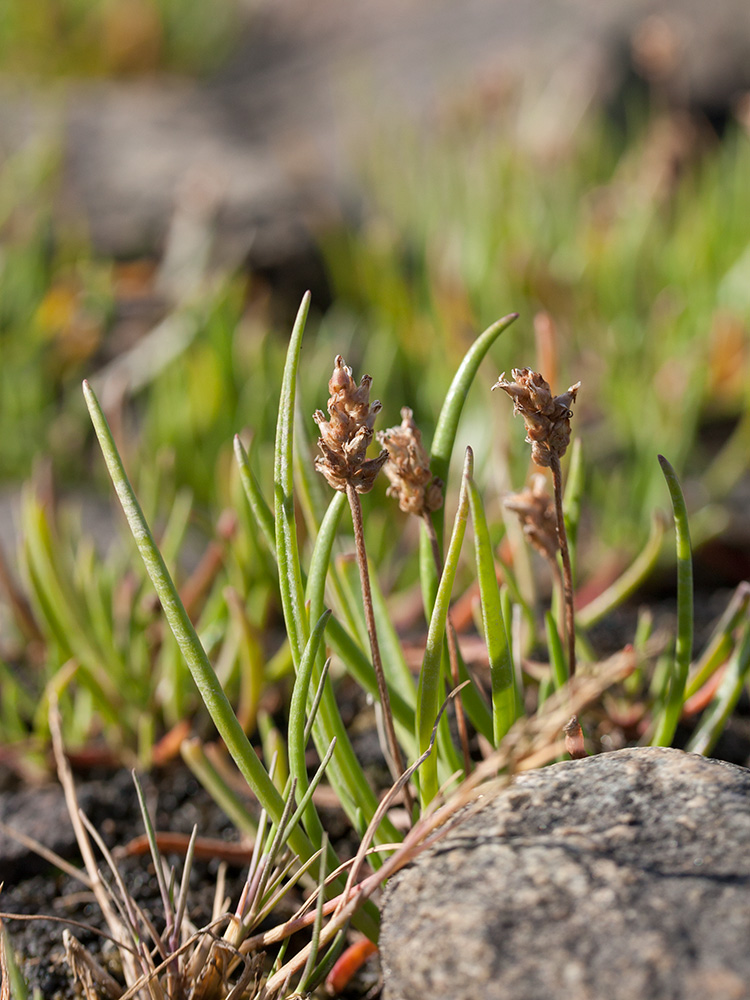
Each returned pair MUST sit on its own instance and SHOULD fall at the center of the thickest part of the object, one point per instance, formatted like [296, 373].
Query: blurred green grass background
[626, 251]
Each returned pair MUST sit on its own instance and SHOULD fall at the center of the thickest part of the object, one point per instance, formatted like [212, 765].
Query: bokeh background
[174, 174]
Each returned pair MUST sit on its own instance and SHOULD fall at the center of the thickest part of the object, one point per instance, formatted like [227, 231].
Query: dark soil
[31, 886]
[177, 802]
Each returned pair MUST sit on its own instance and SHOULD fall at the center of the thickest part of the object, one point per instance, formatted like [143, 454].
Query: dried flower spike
[408, 468]
[547, 417]
[343, 442]
[346, 435]
[536, 512]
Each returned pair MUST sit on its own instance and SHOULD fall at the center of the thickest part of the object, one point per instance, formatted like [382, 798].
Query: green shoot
[666, 724]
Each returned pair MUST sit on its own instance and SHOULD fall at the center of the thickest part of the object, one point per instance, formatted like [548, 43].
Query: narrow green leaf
[428, 691]
[173, 535]
[261, 511]
[397, 674]
[312, 711]
[297, 718]
[502, 674]
[287, 550]
[306, 800]
[155, 853]
[203, 673]
[574, 495]
[720, 643]
[667, 723]
[557, 661]
[312, 494]
[320, 560]
[450, 414]
[307, 972]
[357, 664]
[715, 717]
[345, 772]
[445, 437]
[475, 705]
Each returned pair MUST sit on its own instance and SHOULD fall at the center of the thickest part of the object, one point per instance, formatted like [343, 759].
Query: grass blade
[716, 715]
[720, 644]
[558, 666]
[312, 958]
[345, 773]
[358, 665]
[572, 498]
[287, 550]
[450, 414]
[428, 692]
[203, 673]
[502, 675]
[297, 727]
[445, 437]
[217, 787]
[261, 511]
[667, 723]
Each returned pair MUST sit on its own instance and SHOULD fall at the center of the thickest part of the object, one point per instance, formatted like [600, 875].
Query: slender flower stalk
[536, 510]
[567, 568]
[547, 420]
[344, 439]
[419, 492]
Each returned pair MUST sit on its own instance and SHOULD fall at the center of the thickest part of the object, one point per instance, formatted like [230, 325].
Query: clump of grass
[324, 615]
[415, 480]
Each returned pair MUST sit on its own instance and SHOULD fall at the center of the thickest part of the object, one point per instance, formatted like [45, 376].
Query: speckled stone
[624, 876]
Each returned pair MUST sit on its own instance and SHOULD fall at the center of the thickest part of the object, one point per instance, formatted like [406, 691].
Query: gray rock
[625, 876]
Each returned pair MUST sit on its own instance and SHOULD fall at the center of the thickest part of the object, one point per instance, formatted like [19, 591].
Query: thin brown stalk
[463, 733]
[573, 732]
[562, 537]
[394, 751]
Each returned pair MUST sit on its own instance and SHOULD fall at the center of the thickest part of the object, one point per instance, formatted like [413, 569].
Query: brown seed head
[408, 468]
[536, 512]
[346, 435]
[547, 417]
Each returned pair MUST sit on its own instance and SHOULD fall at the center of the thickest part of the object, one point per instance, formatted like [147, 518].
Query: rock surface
[625, 876]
